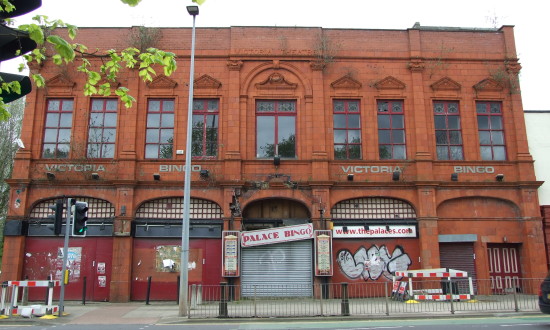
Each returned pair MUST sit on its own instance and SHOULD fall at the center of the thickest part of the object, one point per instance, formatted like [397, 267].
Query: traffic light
[57, 217]
[80, 216]
[14, 43]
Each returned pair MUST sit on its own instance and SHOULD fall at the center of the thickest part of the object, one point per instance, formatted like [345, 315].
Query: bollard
[47, 292]
[451, 291]
[516, 306]
[178, 291]
[193, 296]
[345, 300]
[25, 297]
[148, 290]
[387, 299]
[223, 300]
[254, 301]
[84, 291]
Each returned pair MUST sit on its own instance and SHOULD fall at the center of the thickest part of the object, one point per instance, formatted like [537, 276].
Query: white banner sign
[373, 231]
[276, 235]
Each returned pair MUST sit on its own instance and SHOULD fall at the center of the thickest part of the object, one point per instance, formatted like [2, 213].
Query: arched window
[373, 208]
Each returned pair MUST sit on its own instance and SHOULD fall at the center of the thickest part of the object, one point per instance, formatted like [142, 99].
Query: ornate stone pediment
[389, 83]
[60, 81]
[488, 85]
[445, 84]
[346, 82]
[60, 84]
[162, 82]
[489, 88]
[205, 81]
[276, 81]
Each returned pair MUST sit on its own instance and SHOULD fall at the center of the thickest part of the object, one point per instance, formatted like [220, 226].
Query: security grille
[172, 208]
[373, 208]
[97, 208]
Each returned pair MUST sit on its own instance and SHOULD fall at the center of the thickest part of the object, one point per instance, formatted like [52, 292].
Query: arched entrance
[280, 266]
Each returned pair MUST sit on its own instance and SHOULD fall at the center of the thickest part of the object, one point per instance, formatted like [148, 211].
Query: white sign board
[374, 231]
[276, 235]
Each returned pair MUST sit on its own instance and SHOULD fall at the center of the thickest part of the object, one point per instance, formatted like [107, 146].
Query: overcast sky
[529, 18]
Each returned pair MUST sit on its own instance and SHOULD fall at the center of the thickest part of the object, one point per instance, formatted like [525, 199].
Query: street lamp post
[184, 265]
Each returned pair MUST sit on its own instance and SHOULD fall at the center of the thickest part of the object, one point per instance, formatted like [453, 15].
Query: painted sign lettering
[178, 168]
[74, 168]
[276, 235]
[370, 169]
[373, 231]
[474, 169]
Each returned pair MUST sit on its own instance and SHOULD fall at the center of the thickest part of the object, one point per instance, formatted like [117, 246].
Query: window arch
[373, 208]
[172, 208]
[97, 208]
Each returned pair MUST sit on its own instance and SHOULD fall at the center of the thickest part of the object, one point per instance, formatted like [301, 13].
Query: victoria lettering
[370, 169]
[74, 168]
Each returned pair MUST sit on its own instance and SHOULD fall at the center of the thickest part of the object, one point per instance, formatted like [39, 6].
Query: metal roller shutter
[278, 270]
[459, 256]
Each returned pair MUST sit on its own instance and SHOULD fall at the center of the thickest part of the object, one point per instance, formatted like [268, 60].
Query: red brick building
[331, 155]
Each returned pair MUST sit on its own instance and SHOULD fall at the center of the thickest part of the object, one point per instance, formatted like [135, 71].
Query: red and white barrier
[442, 297]
[436, 273]
[37, 310]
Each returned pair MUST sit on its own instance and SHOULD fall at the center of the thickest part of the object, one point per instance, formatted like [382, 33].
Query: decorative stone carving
[416, 65]
[234, 65]
[162, 82]
[60, 80]
[513, 67]
[445, 84]
[389, 83]
[346, 82]
[206, 81]
[276, 81]
[60, 85]
[488, 85]
[317, 65]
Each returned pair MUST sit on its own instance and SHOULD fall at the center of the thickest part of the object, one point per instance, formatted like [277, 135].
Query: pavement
[168, 313]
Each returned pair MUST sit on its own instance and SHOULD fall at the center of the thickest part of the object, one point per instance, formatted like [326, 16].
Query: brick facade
[240, 66]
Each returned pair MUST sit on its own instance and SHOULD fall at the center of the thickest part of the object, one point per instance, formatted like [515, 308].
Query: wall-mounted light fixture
[204, 174]
[277, 160]
[50, 175]
[345, 229]
[350, 177]
[395, 175]
[156, 176]
[387, 228]
[95, 176]
[500, 177]
[454, 176]
[366, 227]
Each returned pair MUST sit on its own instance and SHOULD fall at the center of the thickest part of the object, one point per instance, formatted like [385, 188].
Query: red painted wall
[204, 256]
[43, 258]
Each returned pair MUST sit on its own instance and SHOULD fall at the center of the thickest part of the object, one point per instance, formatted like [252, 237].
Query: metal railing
[362, 299]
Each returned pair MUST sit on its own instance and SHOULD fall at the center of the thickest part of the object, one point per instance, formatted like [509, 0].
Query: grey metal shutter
[459, 256]
[277, 270]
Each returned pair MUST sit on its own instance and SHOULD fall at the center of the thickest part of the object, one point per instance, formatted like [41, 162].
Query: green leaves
[100, 73]
[129, 58]
[63, 48]
[131, 3]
